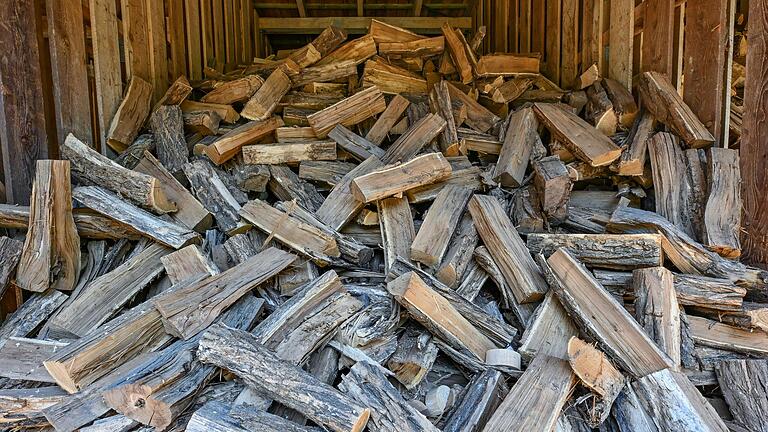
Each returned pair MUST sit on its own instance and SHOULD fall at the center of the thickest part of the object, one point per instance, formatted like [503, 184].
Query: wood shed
[384, 216]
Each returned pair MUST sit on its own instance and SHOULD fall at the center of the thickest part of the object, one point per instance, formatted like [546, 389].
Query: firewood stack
[393, 233]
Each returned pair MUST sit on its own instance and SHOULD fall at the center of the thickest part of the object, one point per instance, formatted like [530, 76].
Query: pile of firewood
[391, 232]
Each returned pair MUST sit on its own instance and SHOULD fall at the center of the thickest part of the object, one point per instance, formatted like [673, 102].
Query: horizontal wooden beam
[368, 6]
[359, 24]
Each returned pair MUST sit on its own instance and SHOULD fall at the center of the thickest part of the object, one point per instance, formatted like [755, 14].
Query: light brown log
[229, 144]
[205, 123]
[341, 205]
[397, 231]
[226, 112]
[634, 157]
[512, 89]
[349, 111]
[387, 119]
[598, 374]
[479, 118]
[716, 335]
[187, 263]
[441, 220]
[620, 252]
[289, 135]
[506, 65]
[599, 110]
[391, 79]
[520, 138]
[273, 154]
[624, 104]
[553, 188]
[458, 53]
[325, 73]
[238, 90]
[394, 180]
[459, 254]
[441, 104]
[130, 115]
[414, 139]
[548, 331]
[469, 178]
[359, 50]
[263, 103]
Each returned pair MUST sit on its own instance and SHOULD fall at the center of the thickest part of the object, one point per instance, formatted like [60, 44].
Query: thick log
[633, 159]
[210, 190]
[187, 263]
[507, 249]
[256, 420]
[603, 318]
[624, 104]
[131, 156]
[238, 90]
[22, 358]
[288, 135]
[535, 401]
[427, 47]
[397, 230]
[441, 104]
[264, 102]
[747, 398]
[481, 398]
[432, 240]
[506, 65]
[251, 178]
[619, 252]
[273, 154]
[190, 309]
[130, 115]
[341, 206]
[167, 124]
[391, 79]
[324, 172]
[511, 89]
[146, 224]
[661, 99]
[673, 188]
[204, 123]
[522, 312]
[479, 118]
[359, 50]
[469, 178]
[325, 73]
[226, 112]
[394, 180]
[27, 403]
[229, 144]
[387, 119]
[327, 41]
[584, 141]
[50, 257]
[242, 354]
[357, 146]
[598, 374]
[349, 111]
[717, 335]
[410, 143]
[287, 186]
[31, 314]
[599, 110]
[553, 188]
[414, 357]
[459, 254]
[458, 53]
[722, 216]
[520, 138]
[657, 310]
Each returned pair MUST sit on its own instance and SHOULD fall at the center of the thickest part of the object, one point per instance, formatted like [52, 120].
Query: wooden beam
[358, 25]
[106, 64]
[137, 50]
[621, 32]
[301, 8]
[658, 37]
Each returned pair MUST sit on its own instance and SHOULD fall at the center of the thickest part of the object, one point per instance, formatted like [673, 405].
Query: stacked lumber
[388, 233]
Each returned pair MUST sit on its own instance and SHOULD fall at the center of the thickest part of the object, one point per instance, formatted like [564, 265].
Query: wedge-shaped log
[624, 104]
[716, 335]
[273, 154]
[633, 159]
[229, 145]
[50, 257]
[535, 401]
[458, 53]
[141, 188]
[145, 223]
[507, 249]
[440, 222]
[327, 41]
[167, 124]
[387, 119]
[348, 112]
[341, 206]
[393, 180]
[392, 79]
[359, 50]
[226, 112]
[662, 100]
[709, 293]
[673, 189]
[210, 190]
[187, 263]
[603, 318]
[299, 236]
[10, 253]
[397, 230]
[101, 298]
[599, 110]
[553, 188]
[242, 354]
[506, 64]
[414, 357]
[619, 252]
[483, 395]
[747, 400]
[359, 147]
[438, 315]
[22, 358]
[479, 117]
[190, 309]
[722, 216]
[656, 308]
[325, 73]
[511, 89]
[459, 254]
[468, 178]
[520, 139]
[238, 90]
[578, 136]
[441, 104]
[264, 102]
[20, 404]
[414, 139]
[598, 374]
[130, 115]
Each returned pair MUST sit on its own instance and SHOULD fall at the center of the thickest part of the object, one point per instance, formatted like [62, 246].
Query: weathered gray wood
[549, 329]
[481, 398]
[656, 309]
[392, 180]
[410, 143]
[432, 239]
[256, 420]
[287, 186]
[27, 403]
[341, 206]
[31, 314]
[620, 252]
[459, 254]
[553, 188]
[743, 385]
[722, 216]
[520, 138]
[397, 230]
[522, 311]
[167, 124]
[413, 358]
[354, 144]
[22, 358]
[209, 188]
[10, 253]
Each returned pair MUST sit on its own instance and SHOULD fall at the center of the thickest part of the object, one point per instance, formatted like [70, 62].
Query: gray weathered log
[167, 124]
[745, 386]
[620, 252]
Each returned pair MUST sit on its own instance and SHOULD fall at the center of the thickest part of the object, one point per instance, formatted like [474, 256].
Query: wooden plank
[592, 35]
[157, 48]
[23, 134]
[570, 44]
[177, 42]
[746, 399]
[106, 64]
[206, 23]
[753, 145]
[219, 47]
[238, 32]
[194, 41]
[428, 25]
[138, 52]
[247, 31]
[229, 35]
[658, 37]
[552, 63]
[657, 310]
[621, 35]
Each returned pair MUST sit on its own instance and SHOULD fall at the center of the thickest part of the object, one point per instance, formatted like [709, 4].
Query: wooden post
[23, 135]
[106, 64]
[754, 147]
[621, 33]
[658, 36]
[178, 64]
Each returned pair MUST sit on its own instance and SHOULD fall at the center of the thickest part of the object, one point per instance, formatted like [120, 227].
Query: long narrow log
[747, 398]
[431, 242]
[620, 252]
[89, 223]
[396, 179]
[656, 309]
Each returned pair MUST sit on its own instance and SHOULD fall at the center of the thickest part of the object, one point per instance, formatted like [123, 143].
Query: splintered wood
[392, 233]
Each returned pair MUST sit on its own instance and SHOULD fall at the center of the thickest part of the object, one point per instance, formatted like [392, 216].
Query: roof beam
[357, 25]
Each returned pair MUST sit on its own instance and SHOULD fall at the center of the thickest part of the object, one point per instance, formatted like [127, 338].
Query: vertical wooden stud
[106, 64]
[524, 24]
[621, 44]
[138, 61]
[552, 55]
[206, 18]
[157, 44]
[194, 42]
[658, 36]
[538, 26]
[178, 65]
[570, 43]
[219, 39]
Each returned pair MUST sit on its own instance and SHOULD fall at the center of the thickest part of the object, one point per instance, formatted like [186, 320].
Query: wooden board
[658, 37]
[106, 63]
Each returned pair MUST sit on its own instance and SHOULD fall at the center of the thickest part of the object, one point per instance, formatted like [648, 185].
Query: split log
[397, 230]
[392, 79]
[327, 41]
[226, 112]
[747, 399]
[619, 252]
[90, 167]
[471, 140]
[238, 90]
[512, 89]
[130, 115]
[656, 309]
[584, 141]
[441, 104]
[716, 335]
[394, 180]
[526, 215]
[242, 354]
[672, 186]
[633, 159]
[479, 118]
[103, 297]
[459, 254]
[522, 312]
[722, 217]
[255, 420]
[264, 102]
[167, 124]
[204, 123]
[427, 47]
[387, 119]
[50, 257]
[210, 190]
[662, 100]
[481, 398]
[598, 374]
[603, 318]
[31, 314]
[469, 178]
[229, 144]
[553, 188]
[191, 308]
[349, 111]
[410, 143]
[599, 110]
[440, 222]
[368, 386]
[507, 249]
[341, 206]
[287, 186]
[458, 53]
[414, 357]
[357, 146]
[288, 135]
[359, 50]
[623, 103]
[324, 172]
[10, 253]
[22, 358]
[187, 263]
[189, 211]
[273, 154]
[325, 73]
[535, 401]
[549, 329]
[438, 315]
[251, 178]
[131, 156]
[520, 138]
[503, 64]
[27, 403]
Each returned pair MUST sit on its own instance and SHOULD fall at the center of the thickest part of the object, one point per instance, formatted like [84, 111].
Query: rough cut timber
[440, 103]
[145, 223]
[603, 318]
[506, 65]
[507, 249]
[264, 102]
[214, 195]
[414, 139]
[747, 397]
[522, 312]
[722, 216]
[191, 308]
[26, 404]
[479, 117]
[392, 79]
[387, 119]
[50, 257]
[438, 315]
[341, 206]
[229, 144]
[578, 136]
[661, 99]
[619, 252]
[397, 230]
[673, 190]
[598, 374]
[102, 298]
[204, 123]
[440, 222]
[130, 115]
[520, 139]
[22, 358]
[417, 48]
[535, 401]
[394, 180]
[624, 104]
[10, 253]
[327, 41]
[553, 188]
[468, 178]
[90, 167]
[189, 211]
[599, 110]
[656, 309]
[242, 354]
[511, 89]
[357, 146]
[273, 154]
[325, 73]
[349, 111]
[31, 314]
[238, 90]
[716, 335]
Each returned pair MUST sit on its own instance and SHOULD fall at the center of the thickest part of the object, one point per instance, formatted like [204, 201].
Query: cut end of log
[135, 401]
[363, 421]
[61, 375]
[159, 202]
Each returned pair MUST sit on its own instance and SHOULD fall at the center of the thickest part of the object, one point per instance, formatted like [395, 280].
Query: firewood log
[394, 180]
[357, 146]
[287, 186]
[519, 140]
[229, 144]
[746, 400]
[359, 50]
[170, 145]
[387, 119]
[347, 112]
[22, 358]
[634, 157]
[657, 310]
[414, 357]
[459, 253]
[619, 252]
[722, 216]
[264, 102]
[130, 115]
[341, 205]
[229, 92]
[431, 241]
[597, 373]
[481, 398]
[210, 190]
[273, 154]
